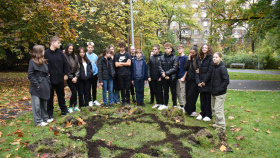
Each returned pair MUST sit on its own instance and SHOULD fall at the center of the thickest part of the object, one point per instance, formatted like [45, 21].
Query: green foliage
[250, 60]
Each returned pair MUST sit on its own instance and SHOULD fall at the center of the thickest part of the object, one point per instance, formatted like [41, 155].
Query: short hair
[122, 44]
[53, 39]
[219, 54]
[138, 51]
[180, 45]
[90, 43]
[157, 46]
[111, 45]
[168, 45]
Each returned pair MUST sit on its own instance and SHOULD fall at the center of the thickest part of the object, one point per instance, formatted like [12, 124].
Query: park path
[255, 71]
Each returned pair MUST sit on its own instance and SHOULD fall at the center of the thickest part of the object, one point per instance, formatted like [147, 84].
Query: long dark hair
[72, 54]
[37, 55]
[85, 57]
[193, 65]
[210, 51]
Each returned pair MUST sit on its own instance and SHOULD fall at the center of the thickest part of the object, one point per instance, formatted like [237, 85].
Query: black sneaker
[106, 105]
[128, 103]
[64, 113]
[151, 102]
[110, 105]
[123, 103]
[143, 104]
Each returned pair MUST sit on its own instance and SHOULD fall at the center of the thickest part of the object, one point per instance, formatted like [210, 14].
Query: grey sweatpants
[39, 109]
[217, 104]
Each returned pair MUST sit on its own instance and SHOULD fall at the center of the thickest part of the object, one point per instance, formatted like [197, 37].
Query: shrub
[250, 60]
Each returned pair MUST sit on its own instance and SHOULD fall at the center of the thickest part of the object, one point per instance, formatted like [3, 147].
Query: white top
[85, 68]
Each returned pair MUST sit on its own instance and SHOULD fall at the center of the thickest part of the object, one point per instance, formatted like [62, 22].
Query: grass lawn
[252, 76]
[252, 116]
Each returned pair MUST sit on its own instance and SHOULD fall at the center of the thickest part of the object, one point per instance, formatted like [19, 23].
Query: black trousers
[84, 92]
[157, 87]
[191, 96]
[93, 86]
[124, 86]
[205, 105]
[132, 89]
[74, 89]
[166, 84]
[59, 89]
[152, 92]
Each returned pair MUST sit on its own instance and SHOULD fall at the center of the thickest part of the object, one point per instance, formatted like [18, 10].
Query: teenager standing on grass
[85, 78]
[106, 73]
[204, 81]
[152, 92]
[154, 75]
[38, 74]
[139, 76]
[59, 69]
[133, 57]
[122, 62]
[191, 87]
[93, 80]
[181, 75]
[73, 76]
[220, 81]
[168, 66]
[116, 90]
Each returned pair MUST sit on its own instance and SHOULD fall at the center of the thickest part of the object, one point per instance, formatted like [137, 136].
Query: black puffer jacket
[153, 69]
[191, 75]
[103, 69]
[83, 76]
[220, 79]
[205, 73]
[169, 65]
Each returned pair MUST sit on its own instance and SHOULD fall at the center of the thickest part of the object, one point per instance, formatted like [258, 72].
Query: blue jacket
[93, 59]
[144, 70]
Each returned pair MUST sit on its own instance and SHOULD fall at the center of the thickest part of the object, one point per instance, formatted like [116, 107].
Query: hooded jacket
[75, 71]
[144, 69]
[153, 69]
[169, 65]
[103, 69]
[205, 73]
[220, 79]
[83, 76]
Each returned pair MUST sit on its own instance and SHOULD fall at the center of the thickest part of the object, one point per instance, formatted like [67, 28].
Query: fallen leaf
[177, 121]
[255, 129]
[233, 126]
[242, 107]
[236, 129]
[2, 141]
[268, 131]
[68, 124]
[248, 110]
[239, 137]
[129, 134]
[17, 157]
[56, 133]
[236, 145]
[272, 116]
[212, 151]
[68, 134]
[103, 140]
[81, 121]
[230, 117]
[244, 121]
[1, 134]
[110, 142]
[115, 128]
[45, 155]
[8, 155]
[50, 128]
[133, 132]
[7, 149]
[15, 143]
[223, 148]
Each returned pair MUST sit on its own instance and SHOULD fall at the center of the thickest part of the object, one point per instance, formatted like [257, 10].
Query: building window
[203, 14]
[173, 24]
[194, 6]
[195, 32]
[205, 41]
[195, 40]
[205, 32]
[204, 23]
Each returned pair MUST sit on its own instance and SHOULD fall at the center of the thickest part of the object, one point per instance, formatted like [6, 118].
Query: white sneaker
[193, 114]
[70, 110]
[163, 107]
[175, 107]
[50, 120]
[199, 117]
[156, 106]
[90, 103]
[96, 103]
[76, 108]
[42, 124]
[206, 118]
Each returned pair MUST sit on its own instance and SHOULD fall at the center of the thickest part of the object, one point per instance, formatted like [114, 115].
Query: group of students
[201, 73]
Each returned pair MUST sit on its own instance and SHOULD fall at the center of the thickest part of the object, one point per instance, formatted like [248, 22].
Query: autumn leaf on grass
[255, 129]
[2, 141]
[45, 155]
[248, 110]
[223, 148]
[115, 128]
[81, 121]
[230, 117]
[1, 134]
[8, 155]
[110, 142]
[272, 116]
[212, 151]
[16, 142]
[68, 124]
[129, 134]
[268, 131]
[236, 129]
[56, 133]
[244, 121]
[239, 137]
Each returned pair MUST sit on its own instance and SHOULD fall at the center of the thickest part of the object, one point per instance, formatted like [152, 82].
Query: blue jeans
[139, 89]
[108, 84]
[116, 96]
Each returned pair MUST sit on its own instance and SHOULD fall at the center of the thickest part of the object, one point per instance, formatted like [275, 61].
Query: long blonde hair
[37, 55]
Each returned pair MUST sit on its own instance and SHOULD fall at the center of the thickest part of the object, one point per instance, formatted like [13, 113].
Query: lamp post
[132, 31]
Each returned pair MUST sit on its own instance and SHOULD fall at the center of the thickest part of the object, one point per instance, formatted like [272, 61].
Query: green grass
[252, 76]
[260, 109]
